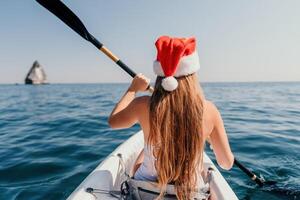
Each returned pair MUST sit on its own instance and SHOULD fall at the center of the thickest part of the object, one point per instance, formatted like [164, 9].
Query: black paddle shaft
[60, 10]
[249, 173]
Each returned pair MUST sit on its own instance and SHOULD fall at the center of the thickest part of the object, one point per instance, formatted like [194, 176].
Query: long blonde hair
[176, 134]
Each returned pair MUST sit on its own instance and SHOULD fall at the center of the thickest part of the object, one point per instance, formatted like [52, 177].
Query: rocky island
[36, 75]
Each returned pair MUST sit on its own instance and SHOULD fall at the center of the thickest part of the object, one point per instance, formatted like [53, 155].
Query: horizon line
[202, 82]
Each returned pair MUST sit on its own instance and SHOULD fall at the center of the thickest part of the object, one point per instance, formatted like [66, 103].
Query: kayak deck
[109, 174]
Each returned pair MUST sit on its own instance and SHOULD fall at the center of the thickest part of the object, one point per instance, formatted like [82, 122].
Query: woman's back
[210, 113]
[146, 170]
[176, 119]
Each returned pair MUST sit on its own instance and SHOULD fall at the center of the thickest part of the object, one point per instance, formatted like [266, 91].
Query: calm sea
[53, 136]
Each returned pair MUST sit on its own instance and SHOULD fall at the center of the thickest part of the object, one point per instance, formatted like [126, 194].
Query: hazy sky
[251, 40]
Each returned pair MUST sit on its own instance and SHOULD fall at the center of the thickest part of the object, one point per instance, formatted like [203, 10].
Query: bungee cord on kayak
[176, 60]
[66, 15]
[130, 188]
[207, 109]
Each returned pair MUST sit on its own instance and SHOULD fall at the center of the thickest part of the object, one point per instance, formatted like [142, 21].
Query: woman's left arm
[125, 113]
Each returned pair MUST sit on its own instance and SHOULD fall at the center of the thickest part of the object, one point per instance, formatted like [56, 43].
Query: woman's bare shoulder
[210, 107]
[211, 111]
[142, 102]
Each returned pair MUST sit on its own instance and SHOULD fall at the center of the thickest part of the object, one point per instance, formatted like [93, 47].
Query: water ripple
[53, 136]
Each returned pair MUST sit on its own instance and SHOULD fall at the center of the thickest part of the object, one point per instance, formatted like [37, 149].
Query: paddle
[68, 17]
[258, 180]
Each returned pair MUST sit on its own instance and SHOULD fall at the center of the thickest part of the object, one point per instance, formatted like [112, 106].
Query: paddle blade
[66, 15]
[270, 182]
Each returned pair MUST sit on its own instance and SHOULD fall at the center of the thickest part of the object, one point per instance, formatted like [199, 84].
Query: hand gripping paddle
[68, 17]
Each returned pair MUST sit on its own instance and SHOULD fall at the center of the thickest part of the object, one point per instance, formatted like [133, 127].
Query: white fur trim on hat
[187, 65]
[169, 83]
[157, 68]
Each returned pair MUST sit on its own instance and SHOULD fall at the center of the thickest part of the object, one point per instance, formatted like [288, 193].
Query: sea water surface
[53, 136]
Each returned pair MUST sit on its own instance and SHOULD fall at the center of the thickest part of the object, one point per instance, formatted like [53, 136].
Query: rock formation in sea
[36, 74]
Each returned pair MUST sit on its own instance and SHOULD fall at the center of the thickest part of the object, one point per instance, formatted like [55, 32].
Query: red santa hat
[176, 57]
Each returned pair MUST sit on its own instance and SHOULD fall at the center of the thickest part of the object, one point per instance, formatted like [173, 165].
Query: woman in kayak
[176, 119]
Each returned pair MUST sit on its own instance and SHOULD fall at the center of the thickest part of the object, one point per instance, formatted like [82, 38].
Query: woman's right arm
[219, 142]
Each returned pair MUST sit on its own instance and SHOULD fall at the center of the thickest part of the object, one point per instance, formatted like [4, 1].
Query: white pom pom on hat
[169, 83]
[176, 57]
